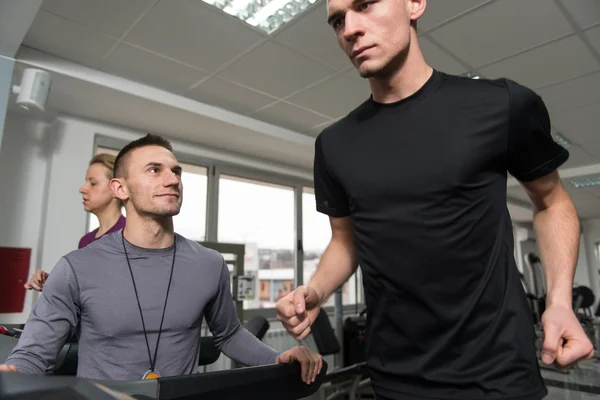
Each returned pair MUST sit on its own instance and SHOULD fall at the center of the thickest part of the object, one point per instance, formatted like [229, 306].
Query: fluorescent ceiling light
[561, 140]
[585, 182]
[471, 75]
[267, 15]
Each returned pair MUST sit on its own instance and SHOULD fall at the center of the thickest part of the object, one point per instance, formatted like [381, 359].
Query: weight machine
[534, 283]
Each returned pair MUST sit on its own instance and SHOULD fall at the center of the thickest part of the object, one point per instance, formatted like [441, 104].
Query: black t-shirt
[424, 180]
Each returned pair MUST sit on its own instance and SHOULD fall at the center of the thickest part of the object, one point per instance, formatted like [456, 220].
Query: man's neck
[148, 232]
[405, 81]
[107, 219]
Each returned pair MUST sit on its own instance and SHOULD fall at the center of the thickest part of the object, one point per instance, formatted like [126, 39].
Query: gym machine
[535, 288]
[282, 381]
[276, 382]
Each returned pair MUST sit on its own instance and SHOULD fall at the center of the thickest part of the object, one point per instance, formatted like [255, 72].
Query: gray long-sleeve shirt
[90, 291]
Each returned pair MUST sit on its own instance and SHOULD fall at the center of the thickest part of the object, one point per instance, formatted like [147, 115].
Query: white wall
[591, 235]
[582, 273]
[6, 72]
[65, 221]
[24, 162]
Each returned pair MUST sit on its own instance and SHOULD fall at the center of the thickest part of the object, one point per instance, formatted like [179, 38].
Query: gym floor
[581, 383]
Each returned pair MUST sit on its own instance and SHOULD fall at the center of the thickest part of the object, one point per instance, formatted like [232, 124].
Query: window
[260, 215]
[316, 233]
[191, 220]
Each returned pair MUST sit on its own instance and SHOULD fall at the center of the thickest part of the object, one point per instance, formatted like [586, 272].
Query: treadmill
[276, 382]
[269, 382]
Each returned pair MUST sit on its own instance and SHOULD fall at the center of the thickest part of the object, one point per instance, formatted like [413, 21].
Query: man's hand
[37, 281]
[8, 368]
[565, 341]
[310, 361]
[298, 310]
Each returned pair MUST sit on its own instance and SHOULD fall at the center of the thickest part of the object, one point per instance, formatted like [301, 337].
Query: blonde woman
[99, 200]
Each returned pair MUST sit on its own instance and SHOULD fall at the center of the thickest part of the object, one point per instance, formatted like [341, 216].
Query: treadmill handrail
[267, 382]
[346, 372]
[274, 381]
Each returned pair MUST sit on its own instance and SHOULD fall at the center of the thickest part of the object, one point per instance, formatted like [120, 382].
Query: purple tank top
[90, 237]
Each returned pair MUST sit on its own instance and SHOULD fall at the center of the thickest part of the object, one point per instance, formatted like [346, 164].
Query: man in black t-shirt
[414, 183]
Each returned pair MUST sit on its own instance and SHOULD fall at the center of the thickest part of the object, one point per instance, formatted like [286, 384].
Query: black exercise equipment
[534, 283]
[324, 335]
[258, 326]
[354, 339]
[281, 382]
[583, 299]
[349, 379]
[209, 353]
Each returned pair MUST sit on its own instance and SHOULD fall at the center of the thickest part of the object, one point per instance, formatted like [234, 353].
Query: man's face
[375, 34]
[154, 182]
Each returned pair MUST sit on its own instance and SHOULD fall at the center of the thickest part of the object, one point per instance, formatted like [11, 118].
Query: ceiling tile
[578, 120]
[439, 59]
[594, 37]
[290, 116]
[578, 157]
[517, 192]
[585, 137]
[572, 93]
[112, 17]
[439, 11]
[519, 214]
[142, 66]
[230, 96]
[592, 145]
[192, 33]
[588, 214]
[497, 30]
[311, 35]
[66, 39]
[267, 69]
[335, 97]
[584, 202]
[592, 191]
[316, 130]
[585, 12]
[546, 65]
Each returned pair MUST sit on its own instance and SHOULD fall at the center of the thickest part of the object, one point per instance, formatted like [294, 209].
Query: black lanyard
[152, 361]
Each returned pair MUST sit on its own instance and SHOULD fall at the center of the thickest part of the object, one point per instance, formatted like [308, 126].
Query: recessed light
[561, 140]
[585, 181]
[263, 14]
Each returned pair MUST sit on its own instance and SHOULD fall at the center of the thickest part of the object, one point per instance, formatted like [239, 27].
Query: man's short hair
[120, 169]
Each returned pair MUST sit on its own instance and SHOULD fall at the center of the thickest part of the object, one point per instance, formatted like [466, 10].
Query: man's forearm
[337, 265]
[246, 349]
[557, 231]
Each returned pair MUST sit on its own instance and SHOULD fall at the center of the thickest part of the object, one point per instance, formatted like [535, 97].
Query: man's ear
[119, 189]
[417, 9]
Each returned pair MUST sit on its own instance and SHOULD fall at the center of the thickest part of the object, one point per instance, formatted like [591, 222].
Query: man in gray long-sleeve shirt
[114, 292]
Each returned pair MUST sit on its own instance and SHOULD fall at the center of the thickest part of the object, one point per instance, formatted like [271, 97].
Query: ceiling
[297, 78]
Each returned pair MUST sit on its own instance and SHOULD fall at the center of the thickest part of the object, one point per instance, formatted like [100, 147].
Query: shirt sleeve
[329, 194]
[532, 152]
[52, 321]
[235, 341]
